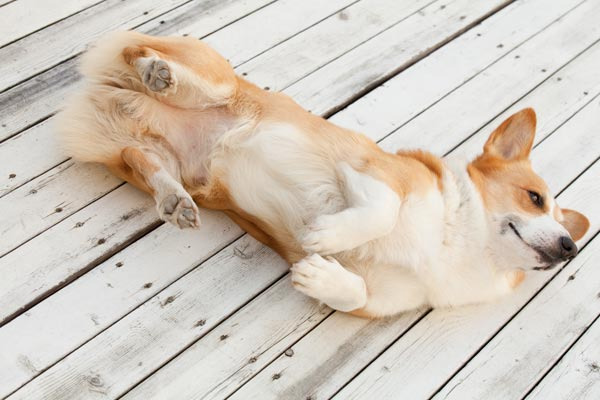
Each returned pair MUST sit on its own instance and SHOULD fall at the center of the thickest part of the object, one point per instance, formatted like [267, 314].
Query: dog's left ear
[575, 223]
[513, 139]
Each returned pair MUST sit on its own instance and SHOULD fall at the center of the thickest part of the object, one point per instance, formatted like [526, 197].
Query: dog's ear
[575, 223]
[513, 139]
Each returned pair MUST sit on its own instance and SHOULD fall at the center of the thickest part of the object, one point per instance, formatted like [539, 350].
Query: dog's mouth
[543, 257]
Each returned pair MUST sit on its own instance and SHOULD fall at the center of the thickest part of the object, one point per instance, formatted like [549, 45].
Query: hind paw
[180, 210]
[156, 74]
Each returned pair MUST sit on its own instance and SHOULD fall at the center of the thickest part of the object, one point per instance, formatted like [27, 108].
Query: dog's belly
[277, 175]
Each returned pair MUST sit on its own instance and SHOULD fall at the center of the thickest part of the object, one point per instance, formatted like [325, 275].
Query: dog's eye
[536, 199]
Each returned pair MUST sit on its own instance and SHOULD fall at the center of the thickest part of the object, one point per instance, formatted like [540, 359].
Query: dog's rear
[142, 117]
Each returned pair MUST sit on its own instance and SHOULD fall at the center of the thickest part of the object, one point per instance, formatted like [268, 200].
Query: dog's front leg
[148, 171]
[372, 213]
[326, 280]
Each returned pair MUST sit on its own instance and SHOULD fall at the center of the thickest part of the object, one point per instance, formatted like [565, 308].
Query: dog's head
[528, 229]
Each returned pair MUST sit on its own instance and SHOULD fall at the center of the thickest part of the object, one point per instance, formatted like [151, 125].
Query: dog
[367, 232]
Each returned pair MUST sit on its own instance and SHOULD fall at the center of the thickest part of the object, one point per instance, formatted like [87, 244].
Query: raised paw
[180, 210]
[326, 280]
[156, 74]
[329, 234]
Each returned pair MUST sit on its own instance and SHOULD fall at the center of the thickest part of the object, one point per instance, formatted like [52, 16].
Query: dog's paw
[326, 280]
[157, 75]
[180, 210]
[328, 234]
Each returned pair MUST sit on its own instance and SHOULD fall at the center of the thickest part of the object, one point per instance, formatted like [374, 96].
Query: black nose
[568, 249]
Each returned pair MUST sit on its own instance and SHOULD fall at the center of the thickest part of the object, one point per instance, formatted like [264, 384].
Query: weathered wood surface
[132, 307]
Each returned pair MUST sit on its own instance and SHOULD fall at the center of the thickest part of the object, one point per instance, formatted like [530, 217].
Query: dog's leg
[327, 281]
[149, 172]
[372, 213]
[181, 85]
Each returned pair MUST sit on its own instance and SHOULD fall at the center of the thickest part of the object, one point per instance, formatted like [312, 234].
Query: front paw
[180, 210]
[327, 281]
[329, 234]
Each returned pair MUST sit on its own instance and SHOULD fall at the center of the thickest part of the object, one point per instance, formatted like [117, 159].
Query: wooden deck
[100, 300]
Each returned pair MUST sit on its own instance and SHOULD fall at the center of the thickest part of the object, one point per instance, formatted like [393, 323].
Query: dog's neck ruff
[466, 221]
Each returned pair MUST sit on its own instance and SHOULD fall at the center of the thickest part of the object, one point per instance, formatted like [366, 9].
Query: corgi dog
[367, 232]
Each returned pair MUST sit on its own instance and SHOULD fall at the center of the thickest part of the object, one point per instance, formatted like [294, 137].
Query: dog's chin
[535, 258]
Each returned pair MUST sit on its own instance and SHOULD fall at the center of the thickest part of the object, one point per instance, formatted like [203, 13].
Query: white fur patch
[372, 213]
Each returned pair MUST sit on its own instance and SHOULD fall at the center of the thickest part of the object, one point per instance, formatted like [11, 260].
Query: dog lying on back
[367, 232]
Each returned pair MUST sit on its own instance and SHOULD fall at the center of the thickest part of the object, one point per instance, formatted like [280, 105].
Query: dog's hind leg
[196, 78]
[372, 213]
[150, 173]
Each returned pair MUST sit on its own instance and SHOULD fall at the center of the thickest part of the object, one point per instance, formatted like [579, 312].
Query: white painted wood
[270, 26]
[118, 285]
[25, 16]
[384, 55]
[493, 90]
[268, 324]
[67, 248]
[575, 377]
[27, 155]
[403, 97]
[109, 364]
[302, 54]
[442, 341]
[42, 203]
[341, 345]
[518, 356]
[48, 47]
[23, 293]
[412, 363]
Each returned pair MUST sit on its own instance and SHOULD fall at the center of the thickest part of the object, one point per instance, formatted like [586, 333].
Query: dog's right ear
[575, 223]
[513, 139]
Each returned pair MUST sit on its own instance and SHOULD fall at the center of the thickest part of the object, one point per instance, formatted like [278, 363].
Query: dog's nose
[568, 248]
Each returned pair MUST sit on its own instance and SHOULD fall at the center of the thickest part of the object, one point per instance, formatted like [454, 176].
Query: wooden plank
[248, 357]
[384, 55]
[336, 35]
[56, 43]
[178, 315]
[56, 264]
[23, 17]
[513, 361]
[537, 60]
[575, 377]
[118, 286]
[44, 202]
[405, 96]
[290, 315]
[434, 357]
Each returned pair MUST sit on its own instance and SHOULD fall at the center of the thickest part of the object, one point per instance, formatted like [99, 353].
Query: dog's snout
[568, 248]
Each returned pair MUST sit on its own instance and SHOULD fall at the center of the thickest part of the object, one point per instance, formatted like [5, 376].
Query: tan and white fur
[366, 231]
